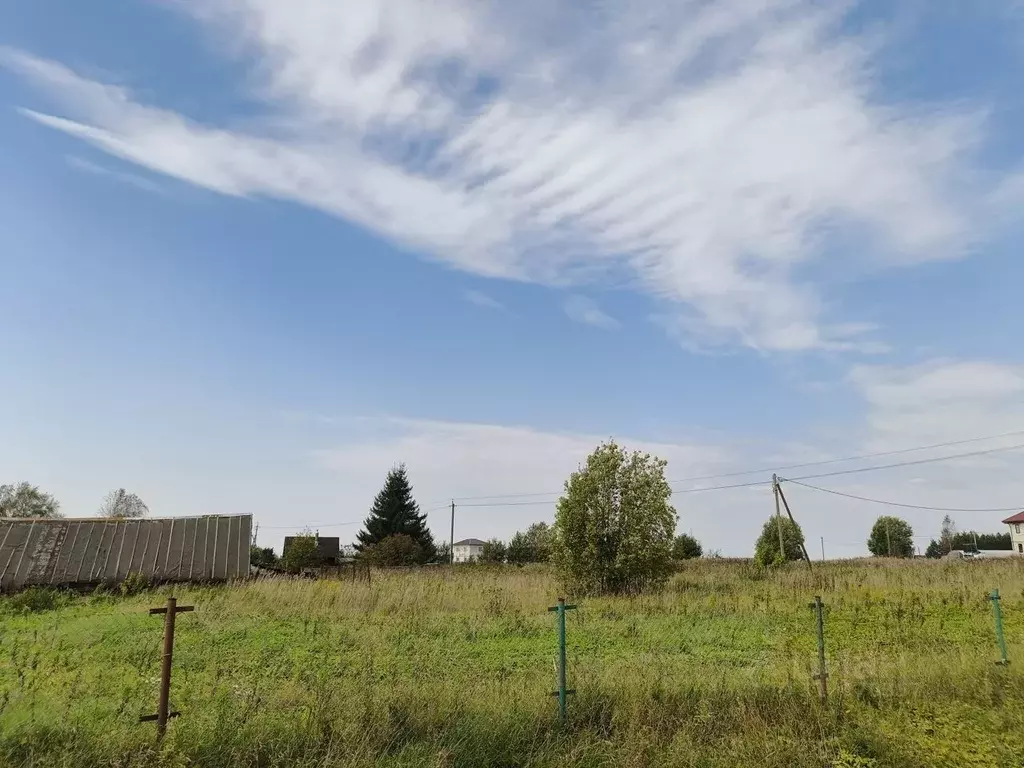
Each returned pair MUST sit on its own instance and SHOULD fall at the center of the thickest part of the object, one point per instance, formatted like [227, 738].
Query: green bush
[134, 584]
[766, 550]
[36, 600]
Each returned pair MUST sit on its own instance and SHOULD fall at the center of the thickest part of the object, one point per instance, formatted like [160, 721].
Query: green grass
[455, 668]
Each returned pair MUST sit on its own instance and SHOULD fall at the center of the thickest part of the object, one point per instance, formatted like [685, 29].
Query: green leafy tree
[122, 505]
[541, 538]
[614, 523]
[395, 550]
[934, 550]
[395, 512]
[766, 550]
[518, 551]
[24, 500]
[494, 552]
[535, 545]
[301, 553]
[262, 557]
[686, 547]
[947, 535]
[443, 553]
[891, 537]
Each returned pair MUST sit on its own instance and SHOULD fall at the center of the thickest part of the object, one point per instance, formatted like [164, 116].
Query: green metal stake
[562, 691]
[822, 675]
[1000, 638]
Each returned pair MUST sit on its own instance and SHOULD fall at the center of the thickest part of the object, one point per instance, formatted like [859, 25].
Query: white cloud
[918, 405]
[481, 299]
[87, 166]
[454, 459]
[583, 310]
[709, 150]
[941, 400]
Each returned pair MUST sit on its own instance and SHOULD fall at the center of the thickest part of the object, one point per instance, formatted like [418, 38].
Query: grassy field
[455, 668]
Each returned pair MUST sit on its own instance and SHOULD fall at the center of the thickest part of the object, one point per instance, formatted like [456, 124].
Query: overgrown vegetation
[397, 549]
[532, 546]
[766, 549]
[453, 667]
[686, 547]
[891, 537]
[301, 553]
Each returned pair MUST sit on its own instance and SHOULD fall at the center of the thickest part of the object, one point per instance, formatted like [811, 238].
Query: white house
[467, 550]
[1016, 523]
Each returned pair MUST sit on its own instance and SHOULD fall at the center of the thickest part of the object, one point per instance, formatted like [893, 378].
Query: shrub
[398, 549]
[134, 584]
[262, 557]
[891, 537]
[614, 524]
[36, 600]
[766, 550]
[494, 552]
[686, 547]
[301, 553]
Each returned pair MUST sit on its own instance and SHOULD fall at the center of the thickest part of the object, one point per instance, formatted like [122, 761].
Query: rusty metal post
[163, 713]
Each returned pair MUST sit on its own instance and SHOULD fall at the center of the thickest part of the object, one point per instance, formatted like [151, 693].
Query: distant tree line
[24, 500]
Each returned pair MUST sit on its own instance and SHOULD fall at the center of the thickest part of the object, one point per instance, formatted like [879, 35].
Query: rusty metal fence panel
[71, 551]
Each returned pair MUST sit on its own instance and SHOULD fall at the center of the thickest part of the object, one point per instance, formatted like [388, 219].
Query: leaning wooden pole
[803, 549]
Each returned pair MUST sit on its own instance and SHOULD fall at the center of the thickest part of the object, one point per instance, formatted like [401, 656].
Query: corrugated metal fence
[104, 551]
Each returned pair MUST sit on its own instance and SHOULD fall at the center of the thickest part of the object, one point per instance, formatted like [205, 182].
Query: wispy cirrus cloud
[584, 310]
[134, 180]
[481, 299]
[708, 151]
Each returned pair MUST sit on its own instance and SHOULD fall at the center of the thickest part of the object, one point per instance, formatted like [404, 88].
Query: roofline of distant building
[69, 519]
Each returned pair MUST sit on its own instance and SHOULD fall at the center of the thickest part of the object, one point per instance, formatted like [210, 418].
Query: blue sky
[255, 253]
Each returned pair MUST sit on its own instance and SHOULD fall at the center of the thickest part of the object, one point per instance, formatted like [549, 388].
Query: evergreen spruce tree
[394, 511]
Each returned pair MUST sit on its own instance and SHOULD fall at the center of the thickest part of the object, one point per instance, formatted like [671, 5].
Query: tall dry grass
[455, 667]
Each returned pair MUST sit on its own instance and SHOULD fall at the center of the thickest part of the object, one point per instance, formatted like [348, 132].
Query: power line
[898, 504]
[776, 468]
[300, 526]
[552, 501]
[906, 463]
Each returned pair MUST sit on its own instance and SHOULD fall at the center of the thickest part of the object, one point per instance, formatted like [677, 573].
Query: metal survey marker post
[562, 691]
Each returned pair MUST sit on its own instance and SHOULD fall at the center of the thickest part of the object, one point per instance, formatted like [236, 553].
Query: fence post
[163, 713]
[562, 691]
[822, 675]
[1000, 638]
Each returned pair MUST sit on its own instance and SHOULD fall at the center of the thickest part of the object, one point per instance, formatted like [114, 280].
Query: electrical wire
[904, 506]
[300, 526]
[822, 462]
[914, 463]
[794, 480]
[552, 501]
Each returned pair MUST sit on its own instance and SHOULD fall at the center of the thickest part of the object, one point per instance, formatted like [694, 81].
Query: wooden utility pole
[823, 549]
[451, 540]
[163, 713]
[888, 538]
[778, 517]
[781, 495]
